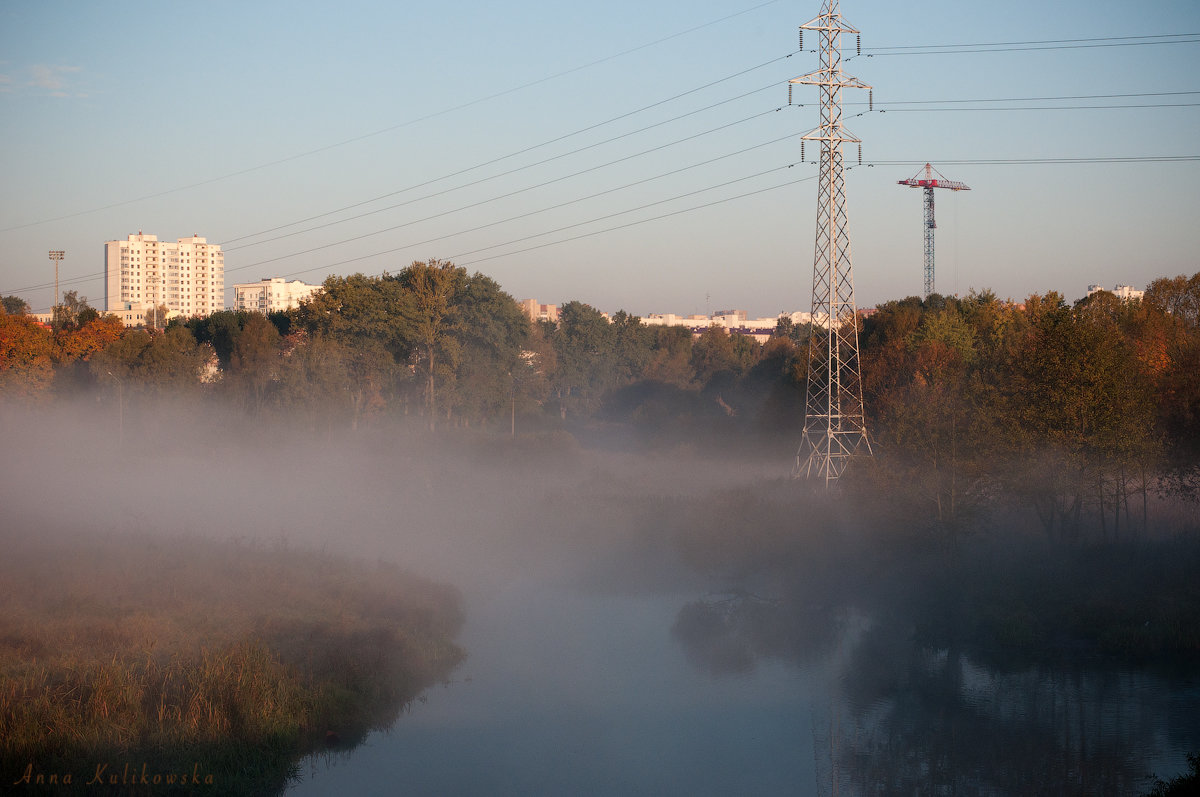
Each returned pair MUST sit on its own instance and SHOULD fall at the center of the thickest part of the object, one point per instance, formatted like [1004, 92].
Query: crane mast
[927, 184]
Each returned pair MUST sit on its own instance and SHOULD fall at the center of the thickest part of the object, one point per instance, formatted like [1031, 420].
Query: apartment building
[187, 275]
[271, 295]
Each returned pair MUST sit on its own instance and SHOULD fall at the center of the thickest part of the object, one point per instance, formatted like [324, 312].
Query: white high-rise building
[271, 295]
[188, 276]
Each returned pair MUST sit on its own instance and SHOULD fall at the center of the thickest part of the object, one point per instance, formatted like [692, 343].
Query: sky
[637, 156]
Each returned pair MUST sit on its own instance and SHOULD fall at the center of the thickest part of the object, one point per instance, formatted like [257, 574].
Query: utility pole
[834, 423]
[927, 184]
[56, 255]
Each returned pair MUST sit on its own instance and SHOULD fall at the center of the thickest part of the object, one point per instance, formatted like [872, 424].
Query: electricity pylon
[927, 184]
[834, 424]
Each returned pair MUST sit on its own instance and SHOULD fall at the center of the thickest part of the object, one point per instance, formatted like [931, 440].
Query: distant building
[539, 312]
[1125, 293]
[270, 295]
[188, 276]
[760, 329]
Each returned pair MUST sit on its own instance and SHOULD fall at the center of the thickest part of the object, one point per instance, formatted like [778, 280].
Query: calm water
[569, 690]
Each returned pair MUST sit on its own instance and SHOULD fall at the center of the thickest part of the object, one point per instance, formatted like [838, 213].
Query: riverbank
[157, 665]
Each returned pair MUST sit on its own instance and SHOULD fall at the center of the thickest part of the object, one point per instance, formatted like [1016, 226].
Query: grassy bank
[124, 659]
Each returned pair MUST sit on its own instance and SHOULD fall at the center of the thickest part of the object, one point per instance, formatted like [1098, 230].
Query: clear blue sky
[277, 112]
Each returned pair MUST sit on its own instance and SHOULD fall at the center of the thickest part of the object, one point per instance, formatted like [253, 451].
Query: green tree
[13, 305]
[670, 356]
[430, 311]
[155, 317]
[254, 359]
[587, 364]
[148, 361]
[718, 358]
[491, 333]
[67, 314]
[356, 308]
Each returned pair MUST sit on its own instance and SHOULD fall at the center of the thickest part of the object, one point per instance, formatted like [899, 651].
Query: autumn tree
[1076, 411]
[26, 357]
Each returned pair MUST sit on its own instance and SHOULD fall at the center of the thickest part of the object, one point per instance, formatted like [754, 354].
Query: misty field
[178, 660]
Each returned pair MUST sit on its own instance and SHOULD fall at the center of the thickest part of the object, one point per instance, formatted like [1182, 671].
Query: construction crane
[928, 183]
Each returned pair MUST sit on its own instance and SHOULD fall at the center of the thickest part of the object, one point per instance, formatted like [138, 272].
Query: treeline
[1079, 411]
[431, 342]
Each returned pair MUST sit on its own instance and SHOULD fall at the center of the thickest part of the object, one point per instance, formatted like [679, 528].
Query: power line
[590, 221]
[1132, 159]
[642, 221]
[1042, 161]
[1035, 41]
[1030, 49]
[513, 193]
[1036, 99]
[1023, 46]
[392, 128]
[100, 275]
[1048, 107]
[994, 161]
[507, 173]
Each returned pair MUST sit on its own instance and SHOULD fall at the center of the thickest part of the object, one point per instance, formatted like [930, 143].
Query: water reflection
[901, 718]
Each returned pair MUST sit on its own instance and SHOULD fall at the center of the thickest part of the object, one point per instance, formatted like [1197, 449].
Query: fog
[638, 620]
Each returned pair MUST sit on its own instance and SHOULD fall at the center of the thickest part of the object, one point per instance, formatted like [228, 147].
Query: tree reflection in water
[903, 718]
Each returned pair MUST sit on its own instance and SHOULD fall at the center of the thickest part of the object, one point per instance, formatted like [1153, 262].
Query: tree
[67, 313]
[1077, 413]
[254, 357]
[151, 361]
[13, 305]
[26, 352]
[155, 317]
[331, 380]
[583, 347]
[918, 360]
[491, 333]
[713, 355]
[357, 307]
[1178, 296]
[670, 355]
[432, 287]
[82, 341]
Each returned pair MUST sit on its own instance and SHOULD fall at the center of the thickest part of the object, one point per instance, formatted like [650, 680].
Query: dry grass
[123, 649]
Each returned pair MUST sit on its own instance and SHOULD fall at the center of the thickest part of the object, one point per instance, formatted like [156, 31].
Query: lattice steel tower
[834, 426]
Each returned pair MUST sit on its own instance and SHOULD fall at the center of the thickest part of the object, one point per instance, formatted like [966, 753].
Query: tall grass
[218, 658]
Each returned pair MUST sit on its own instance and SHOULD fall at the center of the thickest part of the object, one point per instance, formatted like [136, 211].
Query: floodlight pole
[56, 255]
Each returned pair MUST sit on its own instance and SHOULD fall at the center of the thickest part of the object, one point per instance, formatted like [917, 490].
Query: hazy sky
[446, 121]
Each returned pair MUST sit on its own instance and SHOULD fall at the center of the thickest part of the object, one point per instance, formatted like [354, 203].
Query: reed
[222, 659]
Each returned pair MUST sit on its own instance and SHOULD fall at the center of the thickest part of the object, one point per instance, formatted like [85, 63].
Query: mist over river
[636, 621]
